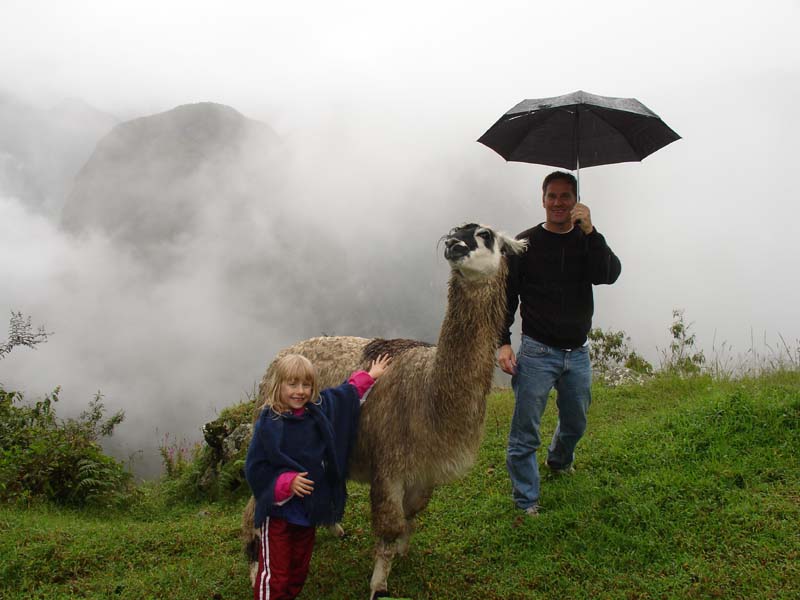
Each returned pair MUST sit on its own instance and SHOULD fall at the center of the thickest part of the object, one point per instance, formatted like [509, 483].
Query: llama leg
[251, 538]
[388, 523]
[404, 541]
[384, 555]
[252, 554]
[414, 502]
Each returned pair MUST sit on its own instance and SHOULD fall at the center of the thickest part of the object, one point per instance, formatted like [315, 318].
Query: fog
[377, 111]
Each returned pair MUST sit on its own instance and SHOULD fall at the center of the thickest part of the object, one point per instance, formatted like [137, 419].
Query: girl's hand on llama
[379, 366]
[301, 485]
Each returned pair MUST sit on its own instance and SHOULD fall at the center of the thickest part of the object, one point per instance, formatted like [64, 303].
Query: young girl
[296, 467]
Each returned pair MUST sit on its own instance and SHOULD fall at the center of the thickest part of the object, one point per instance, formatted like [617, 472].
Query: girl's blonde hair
[292, 367]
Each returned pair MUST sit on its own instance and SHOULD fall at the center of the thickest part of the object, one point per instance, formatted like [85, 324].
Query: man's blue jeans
[541, 368]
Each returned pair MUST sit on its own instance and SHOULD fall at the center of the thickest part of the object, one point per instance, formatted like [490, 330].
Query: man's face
[558, 200]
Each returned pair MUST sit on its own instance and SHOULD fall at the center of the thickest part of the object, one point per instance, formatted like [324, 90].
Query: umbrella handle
[578, 157]
[578, 180]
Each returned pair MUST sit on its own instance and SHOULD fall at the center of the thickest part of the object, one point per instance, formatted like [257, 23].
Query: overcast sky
[382, 106]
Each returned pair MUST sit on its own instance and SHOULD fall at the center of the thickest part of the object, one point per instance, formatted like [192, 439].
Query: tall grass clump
[684, 358]
[756, 361]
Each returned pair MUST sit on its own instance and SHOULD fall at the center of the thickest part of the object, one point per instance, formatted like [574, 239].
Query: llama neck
[465, 354]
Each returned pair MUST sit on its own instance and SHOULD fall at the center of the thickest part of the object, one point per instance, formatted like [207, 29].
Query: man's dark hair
[556, 175]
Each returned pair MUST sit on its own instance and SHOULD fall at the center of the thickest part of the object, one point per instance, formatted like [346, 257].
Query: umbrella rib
[622, 134]
[547, 118]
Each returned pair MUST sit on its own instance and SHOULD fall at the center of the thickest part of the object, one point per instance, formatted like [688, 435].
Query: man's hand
[507, 359]
[583, 217]
[301, 485]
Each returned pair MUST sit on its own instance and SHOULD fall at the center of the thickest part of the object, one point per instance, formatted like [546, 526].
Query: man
[553, 280]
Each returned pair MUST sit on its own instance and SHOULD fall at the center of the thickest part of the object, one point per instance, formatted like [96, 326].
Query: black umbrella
[578, 130]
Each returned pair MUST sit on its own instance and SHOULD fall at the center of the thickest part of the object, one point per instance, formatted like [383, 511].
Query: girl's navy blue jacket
[320, 442]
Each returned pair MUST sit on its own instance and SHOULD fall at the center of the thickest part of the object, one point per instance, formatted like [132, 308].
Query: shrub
[609, 349]
[42, 456]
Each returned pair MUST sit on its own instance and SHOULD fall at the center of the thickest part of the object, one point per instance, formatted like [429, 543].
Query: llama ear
[509, 245]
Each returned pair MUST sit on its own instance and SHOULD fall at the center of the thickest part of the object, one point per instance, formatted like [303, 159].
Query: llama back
[333, 357]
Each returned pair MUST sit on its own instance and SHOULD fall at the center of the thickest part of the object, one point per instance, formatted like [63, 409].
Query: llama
[422, 423]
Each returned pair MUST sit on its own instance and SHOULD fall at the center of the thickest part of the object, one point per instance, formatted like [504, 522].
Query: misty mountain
[198, 244]
[41, 150]
[200, 197]
[150, 180]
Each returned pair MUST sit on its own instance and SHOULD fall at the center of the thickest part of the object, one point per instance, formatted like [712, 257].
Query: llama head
[476, 251]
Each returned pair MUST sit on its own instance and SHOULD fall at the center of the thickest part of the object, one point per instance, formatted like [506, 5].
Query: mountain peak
[149, 178]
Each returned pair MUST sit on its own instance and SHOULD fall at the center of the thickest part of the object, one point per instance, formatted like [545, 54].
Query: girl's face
[295, 393]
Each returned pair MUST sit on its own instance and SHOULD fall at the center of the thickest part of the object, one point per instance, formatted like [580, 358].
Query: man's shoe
[568, 470]
[532, 511]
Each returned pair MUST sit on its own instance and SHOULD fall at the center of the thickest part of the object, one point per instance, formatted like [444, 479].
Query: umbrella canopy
[578, 130]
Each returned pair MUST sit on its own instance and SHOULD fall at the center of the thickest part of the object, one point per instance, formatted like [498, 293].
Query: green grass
[685, 488]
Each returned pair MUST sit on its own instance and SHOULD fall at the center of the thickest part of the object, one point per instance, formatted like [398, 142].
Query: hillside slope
[685, 488]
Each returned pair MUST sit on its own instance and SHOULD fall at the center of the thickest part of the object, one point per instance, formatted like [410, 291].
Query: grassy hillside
[685, 488]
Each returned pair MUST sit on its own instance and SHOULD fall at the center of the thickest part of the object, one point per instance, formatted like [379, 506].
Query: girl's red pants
[283, 559]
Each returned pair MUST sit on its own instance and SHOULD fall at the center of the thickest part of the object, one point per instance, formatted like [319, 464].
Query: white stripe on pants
[263, 586]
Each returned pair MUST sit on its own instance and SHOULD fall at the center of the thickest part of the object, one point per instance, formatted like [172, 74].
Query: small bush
[42, 456]
[683, 357]
[609, 349]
